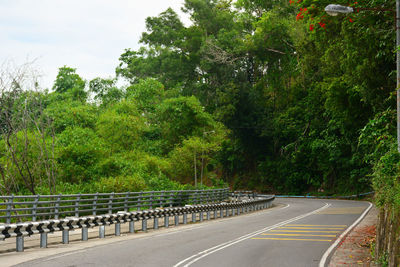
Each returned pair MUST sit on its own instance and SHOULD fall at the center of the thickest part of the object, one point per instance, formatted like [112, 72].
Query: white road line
[171, 232]
[192, 259]
[333, 246]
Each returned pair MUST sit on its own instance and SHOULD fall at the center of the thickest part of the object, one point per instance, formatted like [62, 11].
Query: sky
[88, 35]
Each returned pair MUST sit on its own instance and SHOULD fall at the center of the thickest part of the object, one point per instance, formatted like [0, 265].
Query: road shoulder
[354, 249]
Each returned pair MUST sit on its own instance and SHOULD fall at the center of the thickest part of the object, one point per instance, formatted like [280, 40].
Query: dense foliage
[268, 95]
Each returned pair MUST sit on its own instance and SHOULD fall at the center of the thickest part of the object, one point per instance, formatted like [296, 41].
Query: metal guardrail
[328, 197]
[238, 195]
[41, 207]
[19, 230]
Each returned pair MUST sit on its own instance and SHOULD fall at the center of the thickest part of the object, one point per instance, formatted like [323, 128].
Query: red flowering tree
[313, 13]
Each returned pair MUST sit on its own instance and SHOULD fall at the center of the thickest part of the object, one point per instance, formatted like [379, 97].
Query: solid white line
[331, 248]
[209, 251]
[171, 232]
[181, 262]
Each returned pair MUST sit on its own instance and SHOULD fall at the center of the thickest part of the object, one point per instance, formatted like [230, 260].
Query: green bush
[118, 184]
[386, 180]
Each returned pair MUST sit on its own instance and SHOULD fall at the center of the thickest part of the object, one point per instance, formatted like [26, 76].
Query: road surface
[297, 232]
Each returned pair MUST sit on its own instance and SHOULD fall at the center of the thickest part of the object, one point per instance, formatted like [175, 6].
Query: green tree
[120, 126]
[69, 82]
[105, 92]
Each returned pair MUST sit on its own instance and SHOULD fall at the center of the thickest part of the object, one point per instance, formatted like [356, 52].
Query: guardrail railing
[17, 208]
[20, 230]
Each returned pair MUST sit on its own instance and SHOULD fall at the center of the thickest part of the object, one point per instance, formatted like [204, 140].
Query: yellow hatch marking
[293, 239]
[302, 235]
[341, 211]
[299, 231]
[320, 228]
[342, 225]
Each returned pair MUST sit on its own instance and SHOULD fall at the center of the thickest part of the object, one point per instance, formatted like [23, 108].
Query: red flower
[351, 20]
[311, 27]
[291, 1]
[299, 16]
[322, 24]
[298, 1]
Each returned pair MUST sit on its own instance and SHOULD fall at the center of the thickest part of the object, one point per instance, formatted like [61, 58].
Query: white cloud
[89, 35]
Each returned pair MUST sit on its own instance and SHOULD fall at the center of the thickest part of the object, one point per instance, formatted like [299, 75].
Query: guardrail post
[155, 223]
[20, 243]
[233, 211]
[151, 197]
[65, 236]
[117, 229]
[176, 220]
[215, 214]
[185, 218]
[34, 207]
[9, 208]
[166, 221]
[196, 197]
[78, 198]
[43, 240]
[208, 215]
[131, 227]
[56, 209]
[171, 198]
[126, 209]
[201, 216]
[102, 231]
[221, 213]
[161, 198]
[194, 217]
[110, 203]
[95, 204]
[85, 234]
[144, 225]
[139, 200]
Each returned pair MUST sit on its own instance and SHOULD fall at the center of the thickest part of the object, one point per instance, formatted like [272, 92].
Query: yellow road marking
[293, 239]
[342, 225]
[341, 211]
[302, 235]
[300, 231]
[320, 228]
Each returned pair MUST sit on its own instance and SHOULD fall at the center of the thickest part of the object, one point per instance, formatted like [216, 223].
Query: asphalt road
[296, 233]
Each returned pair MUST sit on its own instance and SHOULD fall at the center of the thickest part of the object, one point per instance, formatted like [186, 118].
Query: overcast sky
[88, 35]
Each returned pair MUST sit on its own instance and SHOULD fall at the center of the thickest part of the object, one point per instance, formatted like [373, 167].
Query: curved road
[295, 233]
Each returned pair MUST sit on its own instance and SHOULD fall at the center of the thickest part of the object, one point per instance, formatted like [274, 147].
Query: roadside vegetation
[273, 96]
